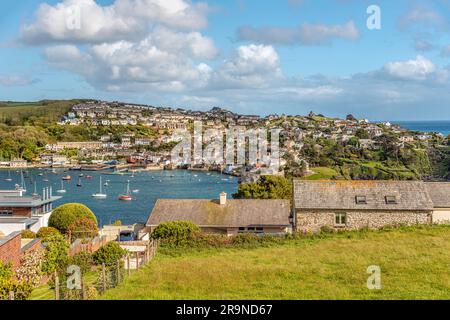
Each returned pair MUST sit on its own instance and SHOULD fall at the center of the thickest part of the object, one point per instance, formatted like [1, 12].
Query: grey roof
[341, 195]
[18, 220]
[25, 201]
[235, 213]
[439, 193]
[9, 237]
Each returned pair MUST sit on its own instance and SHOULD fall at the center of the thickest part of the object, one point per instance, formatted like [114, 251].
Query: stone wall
[314, 220]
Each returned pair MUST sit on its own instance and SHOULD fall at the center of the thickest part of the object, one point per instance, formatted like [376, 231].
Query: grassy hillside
[34, 113]
[415, 264]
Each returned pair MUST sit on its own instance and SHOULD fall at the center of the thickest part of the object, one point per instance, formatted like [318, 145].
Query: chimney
[223, 199]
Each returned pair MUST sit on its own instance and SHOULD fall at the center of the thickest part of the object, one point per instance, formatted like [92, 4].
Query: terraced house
[361, 204]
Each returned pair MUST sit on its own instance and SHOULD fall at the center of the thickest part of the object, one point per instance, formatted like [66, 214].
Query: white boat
[136, 191]
[9, 179]
[22, 186]
[100, 195]
[62, 190]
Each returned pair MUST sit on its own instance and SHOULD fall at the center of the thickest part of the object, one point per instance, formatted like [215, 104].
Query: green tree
[56, 253]
[268, 187]
[109, 254]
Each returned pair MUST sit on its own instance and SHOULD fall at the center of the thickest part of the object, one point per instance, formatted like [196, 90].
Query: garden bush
[84, 260]
[28, 234]
[56, 253]
[82, 228]
[109, 254]
[45, 232]
[177, 230]
[65, 215]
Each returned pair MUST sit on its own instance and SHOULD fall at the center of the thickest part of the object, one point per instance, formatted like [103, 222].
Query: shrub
[30, 268]
[6, 271]
[176, 230]
[56, 253]
[82, 228]
[84, 260]
[22, 290]
[46, 232]
[109, 254]
[63, 216]
[28, 234]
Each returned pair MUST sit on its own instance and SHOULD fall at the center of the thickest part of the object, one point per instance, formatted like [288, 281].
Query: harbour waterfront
[177, 184]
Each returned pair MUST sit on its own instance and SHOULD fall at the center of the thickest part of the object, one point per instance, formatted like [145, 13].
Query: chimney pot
[223, 199]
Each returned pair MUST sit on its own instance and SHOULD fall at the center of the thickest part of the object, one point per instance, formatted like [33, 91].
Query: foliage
[268, 187]
[82, 259]
[22, 290]
[46, 232]
[63, 216]
[30, 268]
[109, 254]
[56, 253]
[6, 271]
[117, 223]
[28, 234]
[82, 228]
[176, 230]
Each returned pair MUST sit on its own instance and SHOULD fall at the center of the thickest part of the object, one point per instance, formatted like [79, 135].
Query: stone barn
[352, 205]
[440, 195]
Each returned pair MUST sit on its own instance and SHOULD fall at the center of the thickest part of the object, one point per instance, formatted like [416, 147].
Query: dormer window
[361, 200]
[391, 200]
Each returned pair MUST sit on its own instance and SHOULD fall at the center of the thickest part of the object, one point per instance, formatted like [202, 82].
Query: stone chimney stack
[223, 199]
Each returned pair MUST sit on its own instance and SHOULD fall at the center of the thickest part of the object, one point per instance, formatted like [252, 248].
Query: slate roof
[439, 193]
[341, 195]
[235, 213]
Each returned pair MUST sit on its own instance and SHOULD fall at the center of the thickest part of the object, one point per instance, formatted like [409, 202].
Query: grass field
[25, 113]
[322, 173]
[415, 264]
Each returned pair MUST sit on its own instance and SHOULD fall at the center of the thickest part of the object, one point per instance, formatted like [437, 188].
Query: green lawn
[415, 264]
[322, 173]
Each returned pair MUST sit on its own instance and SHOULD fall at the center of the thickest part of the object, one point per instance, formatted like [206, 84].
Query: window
[391, 200]
[6, 212]
[361, 200]
[341, 219]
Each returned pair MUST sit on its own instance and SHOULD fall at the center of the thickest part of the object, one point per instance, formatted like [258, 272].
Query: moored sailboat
[62, 190]
[100, 194]
[127, 196]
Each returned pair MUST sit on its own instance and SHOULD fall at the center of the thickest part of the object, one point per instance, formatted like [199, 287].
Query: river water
[178, 184]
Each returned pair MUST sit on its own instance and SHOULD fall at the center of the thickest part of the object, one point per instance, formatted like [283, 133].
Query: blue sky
[262, 57]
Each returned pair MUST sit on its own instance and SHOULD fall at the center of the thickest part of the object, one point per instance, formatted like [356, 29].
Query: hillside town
[300, 137]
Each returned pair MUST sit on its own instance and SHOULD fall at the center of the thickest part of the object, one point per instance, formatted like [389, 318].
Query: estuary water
[442, 126]
[178, 184]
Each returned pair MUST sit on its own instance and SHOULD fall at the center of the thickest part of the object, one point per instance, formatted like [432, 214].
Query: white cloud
[417, 69]
[15, 80]
[85, 21]
[132, 66]
[423, 17]
[306, 34]
[252, 66]
[129, 45]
